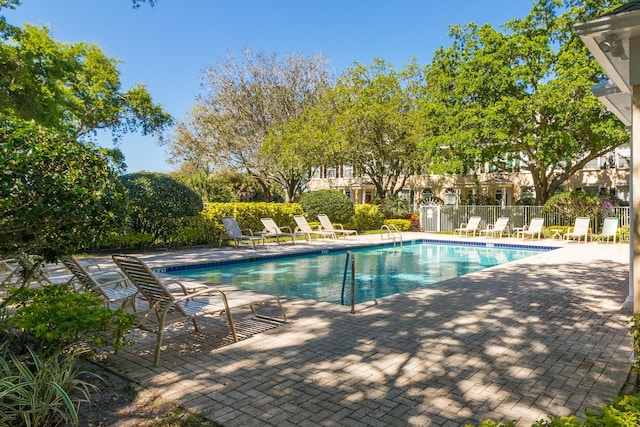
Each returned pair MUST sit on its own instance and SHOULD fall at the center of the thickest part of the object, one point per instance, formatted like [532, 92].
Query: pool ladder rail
[392, 232]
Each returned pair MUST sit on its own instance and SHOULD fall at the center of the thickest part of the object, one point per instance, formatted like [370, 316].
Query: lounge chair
[501, 226]
[271, 229]
[580, 230]
[609, 229]
[166, 307]
[112, 285]
[534, 228]
[304, 227]
[334, 229]
[472, 226]
[233, 232]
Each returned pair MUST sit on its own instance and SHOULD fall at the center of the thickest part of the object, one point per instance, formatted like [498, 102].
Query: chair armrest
[338, 226]
[249, 230]
[287, 228]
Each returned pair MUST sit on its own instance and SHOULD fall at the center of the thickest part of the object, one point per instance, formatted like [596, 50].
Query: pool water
[379, 271]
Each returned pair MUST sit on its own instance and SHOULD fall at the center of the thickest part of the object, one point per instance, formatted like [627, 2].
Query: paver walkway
[541, 336]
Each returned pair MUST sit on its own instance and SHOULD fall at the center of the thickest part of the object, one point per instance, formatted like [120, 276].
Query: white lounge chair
[304, 227]
[534, 228]
[609, 229]
[472, 226]
[233, 232]
[501, 226]
[334, 229]
[580, 230]
[112, 285]
[271, 229]
[166, 307]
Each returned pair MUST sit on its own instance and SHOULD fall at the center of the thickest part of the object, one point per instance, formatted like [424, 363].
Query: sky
[167, 47]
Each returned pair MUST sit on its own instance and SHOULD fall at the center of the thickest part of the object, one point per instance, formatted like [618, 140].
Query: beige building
[608, 174]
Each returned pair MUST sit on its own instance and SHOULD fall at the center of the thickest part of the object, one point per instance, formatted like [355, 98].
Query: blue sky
[168, 46]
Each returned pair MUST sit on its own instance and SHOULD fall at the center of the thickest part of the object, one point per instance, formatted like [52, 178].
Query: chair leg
[156, 355]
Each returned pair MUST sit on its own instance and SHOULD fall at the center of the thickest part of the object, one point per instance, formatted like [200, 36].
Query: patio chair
[112, 285]
[304, 227]
[166, 307]
[609, 229]
[335, 229]
[501, 226]
[534, 228]
[580, 230]
[233, 232]
[271, 229]
[472, 226]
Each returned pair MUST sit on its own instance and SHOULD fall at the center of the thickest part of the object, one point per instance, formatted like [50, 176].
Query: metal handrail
[350, 257]
[391, 232]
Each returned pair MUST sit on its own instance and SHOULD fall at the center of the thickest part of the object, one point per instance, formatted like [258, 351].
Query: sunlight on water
[380, 271]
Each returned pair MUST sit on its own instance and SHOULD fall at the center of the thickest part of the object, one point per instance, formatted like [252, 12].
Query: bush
[130, 240]
[400, 224]
[158, 203]
[248, 214]
[197, 230]
[367, 217]
[56, 194]
[392, 207]
[331, 202]
[568, 206]
[55, 318]
[38, 392]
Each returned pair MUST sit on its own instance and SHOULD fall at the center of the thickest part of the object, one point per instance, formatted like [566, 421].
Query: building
[608, 175]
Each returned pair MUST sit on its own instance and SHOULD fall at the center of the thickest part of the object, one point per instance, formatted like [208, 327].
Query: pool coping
[329, 249]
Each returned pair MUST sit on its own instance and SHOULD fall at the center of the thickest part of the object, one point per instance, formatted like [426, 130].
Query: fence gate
[430, 218]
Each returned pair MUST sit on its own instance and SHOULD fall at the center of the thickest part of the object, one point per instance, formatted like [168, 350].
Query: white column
[634, 255]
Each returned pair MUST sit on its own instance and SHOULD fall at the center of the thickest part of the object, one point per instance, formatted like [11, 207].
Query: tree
[158, 202]
[56, 194]
[71, 87]
[244, 99]
[522, 96]
[369, 119]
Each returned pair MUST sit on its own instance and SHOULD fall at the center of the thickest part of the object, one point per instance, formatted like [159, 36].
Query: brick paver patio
[541, 336]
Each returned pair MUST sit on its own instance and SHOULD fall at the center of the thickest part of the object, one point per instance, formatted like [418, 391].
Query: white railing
[450, 217]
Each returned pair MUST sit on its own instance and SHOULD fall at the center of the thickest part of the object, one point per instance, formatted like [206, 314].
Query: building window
[331, 172]
[347, 171]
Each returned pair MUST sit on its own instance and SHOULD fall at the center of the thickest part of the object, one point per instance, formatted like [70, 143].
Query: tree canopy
[56, 195]
[370, 120]
[245, 98]
[522, 96]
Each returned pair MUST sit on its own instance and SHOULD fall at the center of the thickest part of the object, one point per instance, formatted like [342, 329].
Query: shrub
[331, 202]
[56, 194]
[38, 392]
[400, 224]
[158, 203]
[392, 207]
[55, 318]
[130, 240]
[248, 214]
[570, 205]
[197, 230]
[367, 217]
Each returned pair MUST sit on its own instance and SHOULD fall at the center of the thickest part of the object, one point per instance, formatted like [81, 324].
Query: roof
[627, 7]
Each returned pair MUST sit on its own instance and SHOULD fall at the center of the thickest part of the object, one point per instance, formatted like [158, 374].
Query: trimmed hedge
[248, 214]
[367, 217]
[401, 224]
[334, 203]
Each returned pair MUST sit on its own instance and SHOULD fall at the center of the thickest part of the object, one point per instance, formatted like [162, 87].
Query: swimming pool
[379, 271]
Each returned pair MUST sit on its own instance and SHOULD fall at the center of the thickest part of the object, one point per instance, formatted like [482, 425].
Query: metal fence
[448, 218]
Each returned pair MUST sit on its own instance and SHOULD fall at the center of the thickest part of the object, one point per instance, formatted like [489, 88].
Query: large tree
[244, 98]
[522, 94]
[71, 87]
[370, 120]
